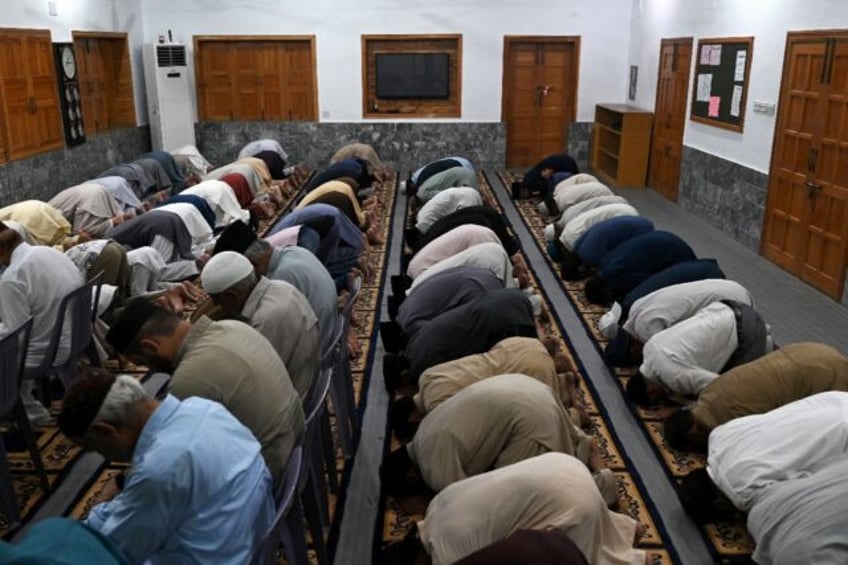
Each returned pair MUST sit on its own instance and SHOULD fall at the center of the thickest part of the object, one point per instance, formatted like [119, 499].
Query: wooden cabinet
[621, 141]
[256, 78]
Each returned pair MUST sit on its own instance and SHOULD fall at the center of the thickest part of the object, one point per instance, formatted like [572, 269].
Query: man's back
[34, 285]
[198, 491]
[283, 315]
[231, 363]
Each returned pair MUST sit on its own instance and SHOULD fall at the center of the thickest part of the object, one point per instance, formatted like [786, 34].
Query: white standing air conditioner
[168, 98]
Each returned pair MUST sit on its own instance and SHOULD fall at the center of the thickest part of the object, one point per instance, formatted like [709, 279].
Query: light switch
[766, 108]
[325, 114]
[51, 9]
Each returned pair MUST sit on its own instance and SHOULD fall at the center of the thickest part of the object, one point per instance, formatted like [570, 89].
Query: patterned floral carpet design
[59, 454]
[729, 540]
[398, 518]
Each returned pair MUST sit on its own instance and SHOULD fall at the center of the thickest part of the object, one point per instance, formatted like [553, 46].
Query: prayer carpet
[728, 540]
[399, 517]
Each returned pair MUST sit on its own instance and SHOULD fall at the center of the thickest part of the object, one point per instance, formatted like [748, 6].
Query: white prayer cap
[550, 233]
[224, 270]
[608, 324]
[22, 231]
[536, 303]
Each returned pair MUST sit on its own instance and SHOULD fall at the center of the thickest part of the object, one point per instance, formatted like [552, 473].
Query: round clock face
[69, 63]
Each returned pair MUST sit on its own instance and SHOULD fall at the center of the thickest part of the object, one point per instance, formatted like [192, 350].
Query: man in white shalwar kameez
[222, 200]
[449, 244]
[447, 201]
[579, 225]
[491, 256]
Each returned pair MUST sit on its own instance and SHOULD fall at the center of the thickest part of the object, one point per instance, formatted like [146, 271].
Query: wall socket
[767, 108]
[51, 9]
[325, 114]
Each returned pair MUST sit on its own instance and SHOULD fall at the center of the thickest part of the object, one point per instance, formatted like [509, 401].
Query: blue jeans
[308, 239]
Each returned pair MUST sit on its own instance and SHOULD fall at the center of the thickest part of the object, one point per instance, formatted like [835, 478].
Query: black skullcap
[617, 351]
[236, 237]
[83, 400]
[127, 325]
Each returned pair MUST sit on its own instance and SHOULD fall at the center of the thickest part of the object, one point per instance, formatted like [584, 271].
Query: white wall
[766, 20]
[337, 25]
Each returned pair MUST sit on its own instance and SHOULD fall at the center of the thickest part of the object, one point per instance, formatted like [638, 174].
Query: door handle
[812, 188]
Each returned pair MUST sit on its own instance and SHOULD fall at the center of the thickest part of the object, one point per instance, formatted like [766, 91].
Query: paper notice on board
[736, 101]
[705, 87]
[741, 58]
[705, 54]
[715, 55]
[715, 102]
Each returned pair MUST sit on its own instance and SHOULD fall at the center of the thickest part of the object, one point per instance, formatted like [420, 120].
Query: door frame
[671, 40]
[796, 35]
[506, 73]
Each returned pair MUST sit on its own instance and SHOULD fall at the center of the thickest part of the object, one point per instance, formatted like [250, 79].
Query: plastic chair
[341, 391]
[76, 310]
[313, 488]
[287, 527]
[13, 350]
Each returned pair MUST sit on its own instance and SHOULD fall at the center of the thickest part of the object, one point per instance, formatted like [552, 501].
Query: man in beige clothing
[90, 208]
[228, 362]
[553, 490]
[490, 424]
[522, 355]
[277, 309]
[783, 376]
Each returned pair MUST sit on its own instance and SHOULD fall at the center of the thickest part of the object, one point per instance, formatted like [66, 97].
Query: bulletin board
[720, 90]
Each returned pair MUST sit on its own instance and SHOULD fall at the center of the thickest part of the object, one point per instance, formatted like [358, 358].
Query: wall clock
[66, 74]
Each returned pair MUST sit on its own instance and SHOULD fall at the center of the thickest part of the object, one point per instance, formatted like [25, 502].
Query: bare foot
[354, 349]
[641, 530]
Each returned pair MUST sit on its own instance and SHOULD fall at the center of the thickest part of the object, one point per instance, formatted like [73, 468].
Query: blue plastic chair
[13, 350]
[76, 310]
[313, 490]
[288, 523]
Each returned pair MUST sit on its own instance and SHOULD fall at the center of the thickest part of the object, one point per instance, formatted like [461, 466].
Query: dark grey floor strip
[683, 535]
[363, 492]
[70, 488]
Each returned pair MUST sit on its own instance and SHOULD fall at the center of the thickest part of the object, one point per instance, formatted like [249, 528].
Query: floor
[796, 312]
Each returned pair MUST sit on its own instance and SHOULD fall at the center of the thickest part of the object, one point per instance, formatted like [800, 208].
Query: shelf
[608, 153]
[608, 128]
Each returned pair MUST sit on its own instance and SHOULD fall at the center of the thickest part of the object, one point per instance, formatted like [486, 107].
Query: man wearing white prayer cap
[275, 308]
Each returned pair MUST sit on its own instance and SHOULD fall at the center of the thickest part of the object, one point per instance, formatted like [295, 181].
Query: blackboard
[720, 87]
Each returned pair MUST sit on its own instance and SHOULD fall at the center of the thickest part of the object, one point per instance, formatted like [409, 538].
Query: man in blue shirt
[598, 240]
[628, 265]
[61, 541]
[198, 491]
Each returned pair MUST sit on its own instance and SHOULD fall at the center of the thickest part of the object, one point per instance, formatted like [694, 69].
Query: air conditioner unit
[168, 96]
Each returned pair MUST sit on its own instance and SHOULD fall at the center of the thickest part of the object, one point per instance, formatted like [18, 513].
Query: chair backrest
[13, 349]
[75, 309]
[266, 551]
[316, 397]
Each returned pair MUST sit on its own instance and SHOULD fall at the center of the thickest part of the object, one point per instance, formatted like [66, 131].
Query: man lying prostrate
[275, 308]
[122, 192]
[480, 215]
[539, 178]
[452, 243]
[222, 200]
[420, 176]
[785, 375]
[662, 309]
[474, 327]
[89, 208]
[366, 154]
[803, 520]
[631, 263]
[491, 424]
[686, 357]
[444, 203]
[442, 292]
[686, 271]
[595, 243]
[521, 355]
[574, 229]
[584, 206]
[198, 491]
[489, 255]
[748, 455]
[455, 176]
[353, 168]
[551, 491]
[563, 182]
[45, 224]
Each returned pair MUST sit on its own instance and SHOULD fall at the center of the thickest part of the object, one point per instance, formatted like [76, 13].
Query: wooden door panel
[246, 105]
[215, 89]
[300, 81]
[522, 114]
[556, 97]
[670, 116]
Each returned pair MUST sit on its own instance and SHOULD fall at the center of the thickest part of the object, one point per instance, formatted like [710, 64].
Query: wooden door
[670, 116]
[30, 93]
[92, 83]
[539, 96]
[299, 79]
[216, 63]
[806, 219]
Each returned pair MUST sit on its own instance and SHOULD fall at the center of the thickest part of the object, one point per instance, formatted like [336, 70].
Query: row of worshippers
[241, 382]
[699, 344]
[484, 403]
[139, 249]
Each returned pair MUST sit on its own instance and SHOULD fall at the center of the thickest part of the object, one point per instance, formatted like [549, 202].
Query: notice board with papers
[720, 88]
